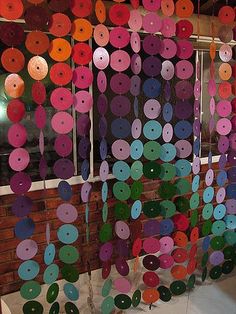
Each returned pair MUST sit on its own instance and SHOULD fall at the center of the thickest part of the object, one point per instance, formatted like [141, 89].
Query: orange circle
[184, 8]
[179, 272]
[225, 71]
[180, 239]
[37, 42]
[37, 68]
[81, 30]
[59, 25]
[59, 49]
[13, 60]
[212, 50]
[226, 15]
[14, 85]
[194, 235]
[167, 7]
[11, 9]
[225, 90]
[192, 264]
[100, 11]
[150, 296]
[136, 264]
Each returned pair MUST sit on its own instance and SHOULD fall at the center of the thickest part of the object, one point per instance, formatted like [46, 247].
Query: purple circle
[216, 258]
[151, 228]
[120, 105]
[135, 85]
[83, 124]
[64, 168]
[184, 90]
[21, 206]
[152, 66]
[183, 148]
[120, 83]
[103, 149]
[122, 248]
[122, 266]
[135, 42]
[102, 126]
[197, 89]
[136, 63]
[196, 108]
[197, 127]
[105, 252]
[152, 108]
[67, 213]
[152, 45]
[102, 104]
[231, 206]
[209, 177]
[136, 128]
[167, 91]
[43, 168]
[102, 81]
[222, 162]
[20, 183]
[84, 147]
[223, 144]
[85, 192]
[26, 249]
[104, 170]
[232, 158]
[183, 109]
[167, 132]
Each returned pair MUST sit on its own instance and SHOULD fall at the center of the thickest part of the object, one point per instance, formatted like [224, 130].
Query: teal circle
[194, 200]
[152, 130]
[71, 292]
[168, 208]
[208, 194]
[28, 270]
[136, 209]
[106, 288]
[121, 170]
[218, 227]
[182, 186]
[152, 150]
[136, 149]
[230, 237]
[67, 234]
[230, 221]
[51, 274]
[136, 170]
[104, 212]
[104, 191]
[30, 290]
[207, 211]
[121, 191]
[168, 172]
[108, 305]
[49, 254]
[183, 167]
[195, 183]
[168, 152]
[219, 211]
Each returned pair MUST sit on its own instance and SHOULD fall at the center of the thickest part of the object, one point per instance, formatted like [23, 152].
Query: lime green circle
[151, 170]
[152, 150]
[206, 227]
[204, 259]
[121, 191]
[122, 211]
[204, 274]
[218, 227]
[168, 172]
[194, 218]
[104, 212]
[207, 211]
[177, 287]
[191, 281]
[32, 307]
[107, 305]
[227, 267]
[68, 254]
[70, 273]
[230, 237]
[217, 243]
[182, 204]
[151, 209]
[183, 186]
[215, 272]
[136, 298]
[136, 170]
[106, 288]
[136, 190]
[105, 233]
[168, 208]
[166, 190]
[30, 290]
[52, 292]
[194, 200]
[229, 252]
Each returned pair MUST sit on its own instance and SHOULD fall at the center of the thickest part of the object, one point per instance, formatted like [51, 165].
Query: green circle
[151, 209]
[191, 281]
[122, 301]
[177, 287]
[30, 290]
[182, 204]
[121, 191]
[227, 267]
[194, 200]
[168, 208]
[136, 170]
[215, 272]
[229, 252]
[52, 292]
[70, 273]
[194, 218]
[32, 307]
[218, 227]
[183, 186]
[105, 233]
[217, 243]
[204, 259]
[168, 172]
[68, 254]
[55, 308]
[206, 227]
[122, 211]
[136, 298]
[151, 170]
[71, 308]
[165, 294]
[152, 150]
[230, 237]
[104, 212]
[106, 288]
[136, 190]
[107, 305]
[51, 274]
[207, 211]
[204, 274]
[166, 190]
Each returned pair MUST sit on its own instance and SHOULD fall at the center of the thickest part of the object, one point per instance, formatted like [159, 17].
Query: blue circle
[104, 191]
[206, 243]
[231, 190]
[28, 270]
[71, 291]
[136, 107]
[85, 170]
[136, 209]
[210, 159]
[67, 234]
[103, 149]
[221, 178]
[196, 146]
[136, 149]
[167, 112]
[121, 170]
[51, 274]
[168, 152]
[183, 167]
[166, 226]
[49, 254]
[208, 194]
[152, 88]
[183, 129]
[152, 130]
[120, 128]
[219, 211]
[24, 228]
[64, 190]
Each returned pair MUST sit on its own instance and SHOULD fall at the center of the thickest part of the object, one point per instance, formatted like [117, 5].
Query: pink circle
[135, 20]
[85, 192]
[212, 106]
[151, 245]
[167, 132]
[136, 63]
[223, 126]
[135, 42]
[61, 98]
[151, 5]
[67, 213]
[183, 148]
[167, 244]
[17, 135]
[184, 49]
[102, 81]
[212, 87]
[209, 177]
[196, 165]
[62, 122]
[63, 145]
[152, 108]
[197, 89]
[120, 60]
[122, 230]
[136, 128]
[82, 77]
[40, 117]
[169, 49]
[19, 159]
[26, 249]
[104, 170]
[122, 285]
[166, 261]
[167, 70]
[101, 58]
[83, 101]
[224, 108]
[119, 37]
[168, 27]
[220, 195]
[152, 23]
[225, 53]
[120, 149]
[184, 69]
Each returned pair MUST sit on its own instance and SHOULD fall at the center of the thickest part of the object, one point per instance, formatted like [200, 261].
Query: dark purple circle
[183, 109]
[135, 85]
[84, 147]
[12, 34]
[151, 227]
[64, 168]
[102, 104]
[184, 90]
[43, 168]
[20, 183]
[83, 124]
[85, 170]
[120, 83]
[223, 144]
[22, 206]
[121, 266]
[152, 45]
[122, 248]
[152, 66]
[120, 105]
[63, 145]
[102, 126]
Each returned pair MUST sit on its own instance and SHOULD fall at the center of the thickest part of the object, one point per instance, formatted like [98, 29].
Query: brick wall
[9, 262]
